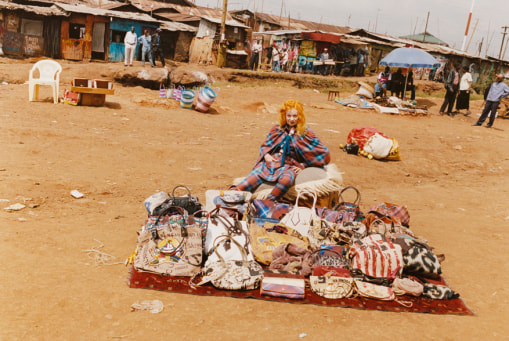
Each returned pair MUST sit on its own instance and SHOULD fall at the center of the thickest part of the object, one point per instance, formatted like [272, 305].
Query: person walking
[130, 41]
[145, 48]
[156, 48]
[451, 86]
[463, 101]
[492, 97]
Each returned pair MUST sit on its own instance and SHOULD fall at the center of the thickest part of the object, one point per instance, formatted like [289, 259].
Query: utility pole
[221, 54]
[468, 25]
[425, 29]
[503, 38]
[472, 35]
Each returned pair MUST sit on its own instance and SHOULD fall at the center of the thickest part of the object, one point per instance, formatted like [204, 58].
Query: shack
[95, 33]
[29, 31]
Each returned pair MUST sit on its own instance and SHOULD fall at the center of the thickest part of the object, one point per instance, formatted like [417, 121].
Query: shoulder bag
[188, 202]
[300, 218]
[231, 274]
[335, 284]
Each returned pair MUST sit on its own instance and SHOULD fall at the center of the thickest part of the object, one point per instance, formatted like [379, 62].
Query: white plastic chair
[49, 71]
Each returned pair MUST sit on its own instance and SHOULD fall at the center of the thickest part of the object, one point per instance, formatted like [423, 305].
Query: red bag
[376, 256]
[361, 135]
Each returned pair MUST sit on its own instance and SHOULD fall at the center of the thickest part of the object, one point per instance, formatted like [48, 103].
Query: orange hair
[293, 104]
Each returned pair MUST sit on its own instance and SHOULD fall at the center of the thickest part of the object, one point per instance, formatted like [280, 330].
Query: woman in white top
[463, 99]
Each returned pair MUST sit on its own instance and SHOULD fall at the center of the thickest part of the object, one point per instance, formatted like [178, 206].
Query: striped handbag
[376, 256]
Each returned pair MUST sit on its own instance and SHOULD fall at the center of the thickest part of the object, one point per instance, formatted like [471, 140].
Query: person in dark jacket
[451, 86]
[157, 48]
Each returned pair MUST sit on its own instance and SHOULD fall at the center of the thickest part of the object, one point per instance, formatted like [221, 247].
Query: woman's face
[292, 117]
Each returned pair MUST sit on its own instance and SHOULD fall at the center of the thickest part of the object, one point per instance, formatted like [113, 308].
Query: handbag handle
[314, 198]
[228, 238]
[181, 186]
[183, 228]
[357, 200]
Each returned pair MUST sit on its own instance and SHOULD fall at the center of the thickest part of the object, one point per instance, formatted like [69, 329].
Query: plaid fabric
[308, 149]
[270, 209]
[288, 151]
[391, 210]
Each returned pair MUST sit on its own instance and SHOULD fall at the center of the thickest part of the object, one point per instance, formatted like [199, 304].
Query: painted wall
[13, 40]
[80, 48]
[116, 48]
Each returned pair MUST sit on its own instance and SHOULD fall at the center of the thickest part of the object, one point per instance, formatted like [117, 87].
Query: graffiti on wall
[33, 45]
[13, 41]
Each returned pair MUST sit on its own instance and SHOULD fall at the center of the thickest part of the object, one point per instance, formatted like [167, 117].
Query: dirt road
[453, 178]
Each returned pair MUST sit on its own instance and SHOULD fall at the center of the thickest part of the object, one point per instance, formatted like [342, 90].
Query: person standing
[463, 101]
[130, 41]
[275, 58]
[451, 86]
[323, 57]
[156, 48]
[492, 97]
[145, 48]
[255, 55]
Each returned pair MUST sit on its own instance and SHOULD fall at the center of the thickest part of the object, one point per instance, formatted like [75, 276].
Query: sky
[447, 18]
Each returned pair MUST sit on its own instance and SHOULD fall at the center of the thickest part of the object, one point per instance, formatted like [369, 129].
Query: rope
[101, 258]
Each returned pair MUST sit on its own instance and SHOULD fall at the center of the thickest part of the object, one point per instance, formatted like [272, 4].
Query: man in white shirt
[255, 55]
[130, 41]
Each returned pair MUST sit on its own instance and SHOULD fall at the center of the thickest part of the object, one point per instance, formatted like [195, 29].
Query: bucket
[187, 99]
[206, 97]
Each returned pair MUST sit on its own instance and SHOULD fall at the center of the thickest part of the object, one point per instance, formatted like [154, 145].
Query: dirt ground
[453, 178]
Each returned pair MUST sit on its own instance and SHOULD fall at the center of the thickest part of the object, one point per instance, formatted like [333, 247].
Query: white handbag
[222, 225]
[300, 218]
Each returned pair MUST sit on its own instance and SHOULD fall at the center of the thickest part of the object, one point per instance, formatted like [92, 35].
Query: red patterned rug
[418, 304]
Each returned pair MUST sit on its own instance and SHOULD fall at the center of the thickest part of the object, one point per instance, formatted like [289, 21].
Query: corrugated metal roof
[45, 11]
[230, 22]
[177, 27]
[105, 12]
[425, 38]
[296, 24]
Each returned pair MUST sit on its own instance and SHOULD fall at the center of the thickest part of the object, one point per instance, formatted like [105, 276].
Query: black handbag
[190, 203]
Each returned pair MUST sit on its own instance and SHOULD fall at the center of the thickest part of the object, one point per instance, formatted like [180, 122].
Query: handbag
[374, 291]
[235, 199]
[349, 211]
[389, 229]
[263, 243]
[376, 256]
[230, 274]
[177, 93]
[162, 91]
[154, 201]
[407, 286]
[169, 248]
[190, 203]
[391, 210]
[300, 218]
[222, 225]
[329, 257]
[285, 287]
[334, 284]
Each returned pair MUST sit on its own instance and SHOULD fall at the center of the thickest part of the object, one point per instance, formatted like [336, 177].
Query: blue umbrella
[409, 57]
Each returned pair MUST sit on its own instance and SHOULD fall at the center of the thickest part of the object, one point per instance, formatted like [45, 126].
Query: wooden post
[221, 54]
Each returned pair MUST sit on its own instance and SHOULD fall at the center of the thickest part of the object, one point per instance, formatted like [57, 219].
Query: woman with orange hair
[290, 147]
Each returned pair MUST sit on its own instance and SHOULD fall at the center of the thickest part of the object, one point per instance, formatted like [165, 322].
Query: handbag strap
[180, 186]
[227, 238]
[357, 200]
[164, 213]
[312, 192]
[233, 229]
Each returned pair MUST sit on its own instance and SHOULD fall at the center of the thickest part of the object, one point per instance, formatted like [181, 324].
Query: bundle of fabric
[323, 182]
[372, 143]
